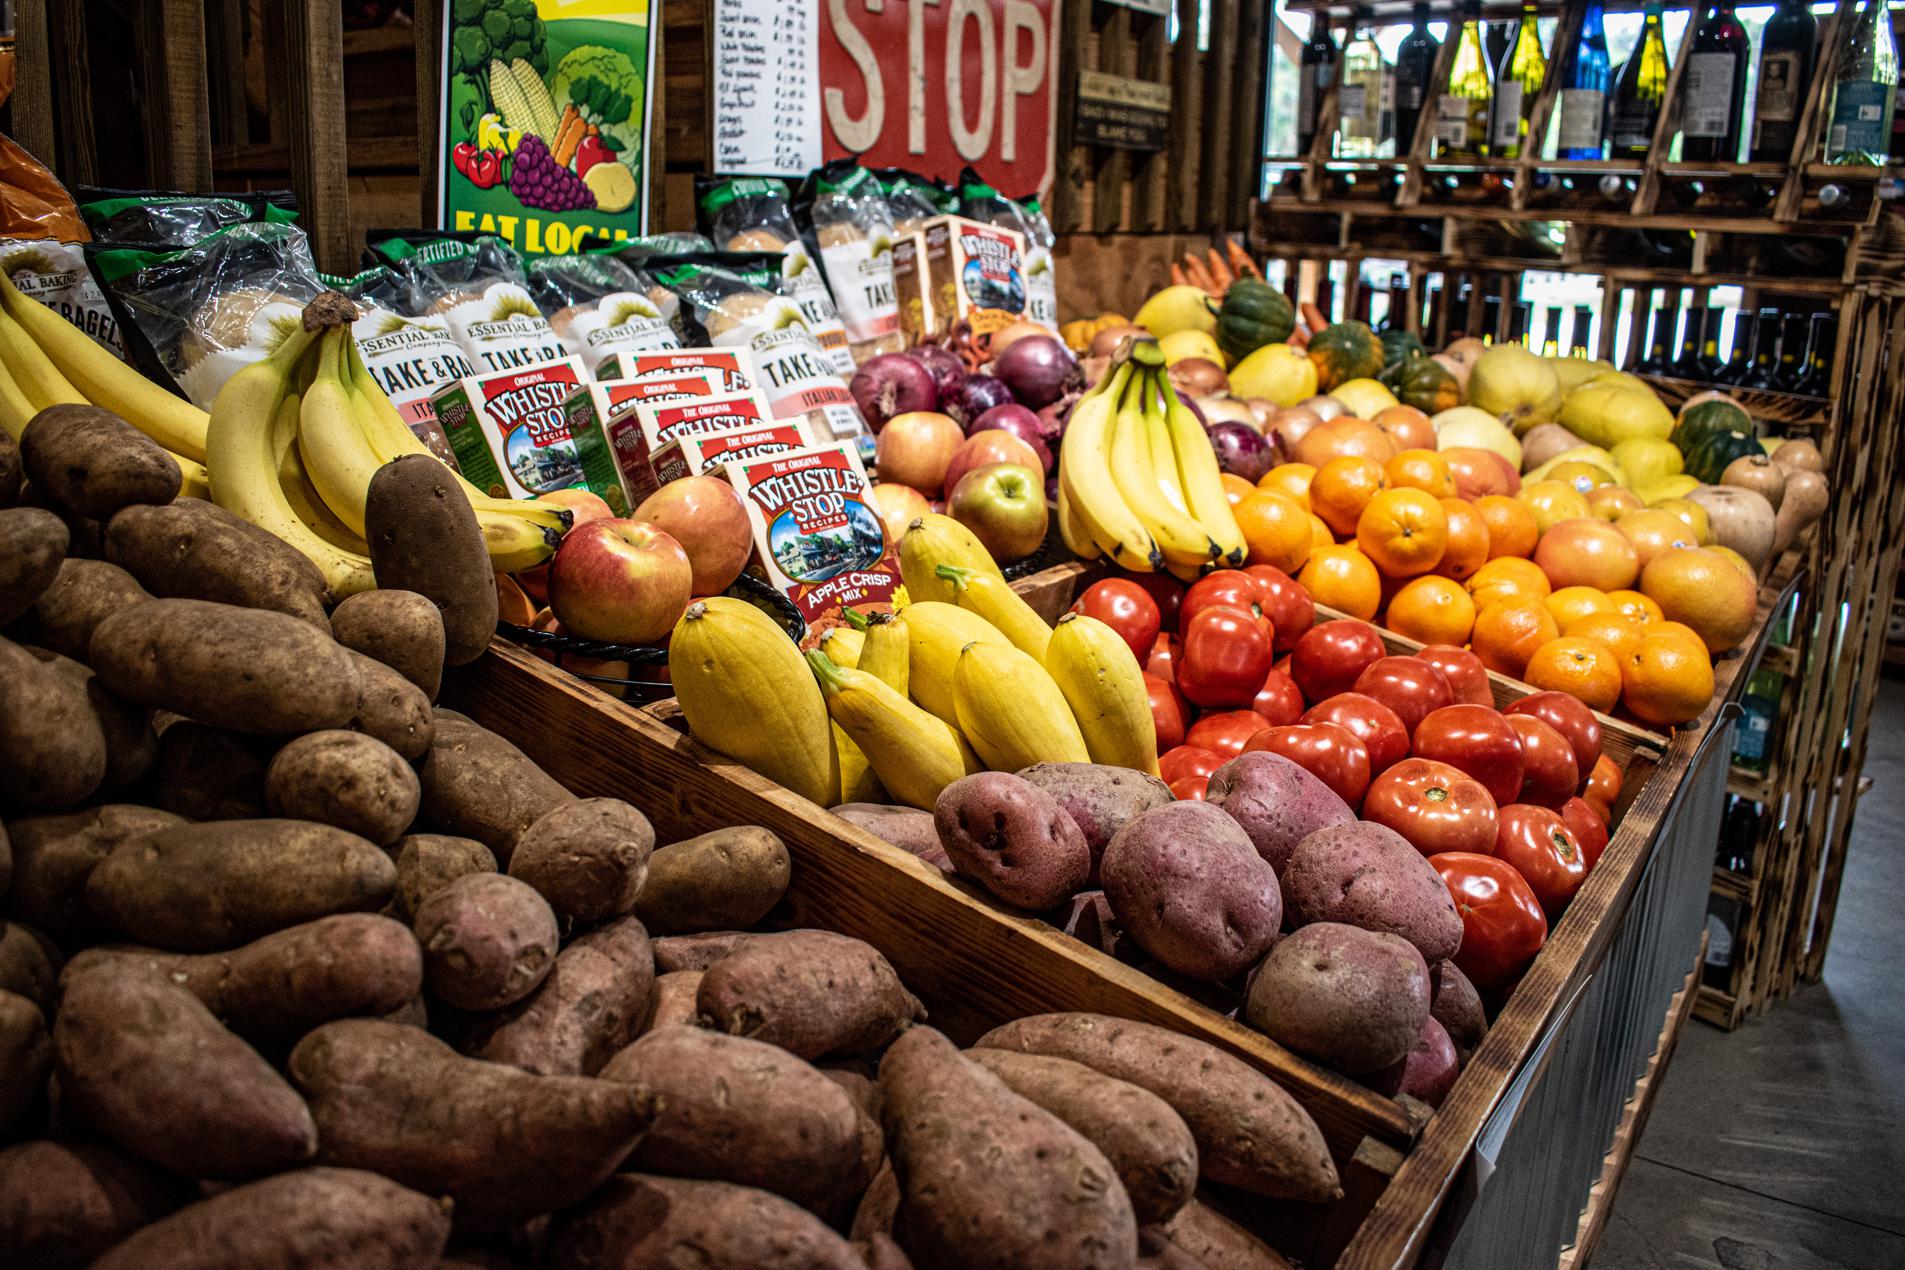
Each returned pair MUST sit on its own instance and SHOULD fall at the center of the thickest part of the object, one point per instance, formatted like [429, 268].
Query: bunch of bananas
[1138, 481]
[909, 702]
[294, 439]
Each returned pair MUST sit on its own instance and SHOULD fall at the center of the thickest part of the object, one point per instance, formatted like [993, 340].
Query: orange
[1666, 681]
[1611, 502]
[1343, 578]
[1341, 437]
[1587, 552]
[1653, 530]
[1275, 529]
[1583, 668]
[1704, 590]
[1408, 427]
[1236, 487]
[1636, 606]
[1468, 540]
[1320, 534]
[1512, 530]
[1616, 630]
[1292, 480]
[1507, 579]
[1506, 635]
[1342, 488]
[1572, 602]
[1433, 610]
[1679, 630]
[1423, 470]
[1553, 502]
[1403, 531]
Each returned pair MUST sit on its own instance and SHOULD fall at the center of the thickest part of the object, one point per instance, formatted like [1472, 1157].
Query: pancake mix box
[818, 534]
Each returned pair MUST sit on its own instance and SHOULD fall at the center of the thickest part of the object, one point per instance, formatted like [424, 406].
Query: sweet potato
[1278, 803]
[52, 750]
[93, 462]
[401, 629]
[505, 1145]
[82, 595]
[641, 1222]
[740, 1111]
[53, 856]
[249, 670]
[144, 1062]
[311, 1219]
[1250, 1133]
[424, 537]
[11, 473]
[428, 862]
[1352, 999]
[344, 779]
[1012, 838]
[880, 1252]
[987, 1178]
[391, 708]
[32, 544]
[206, 773]
[195, 550]
[24, 1056]
[64, 1203]
[811, 992]
[1457, 1006]
[1148, 1144]
[29, 964]
[477, 785]
[1220, 1243]
[275, 989]
[488, 941]
[907, 828]
[1099, 798]
[879, 1207]
[592, 1004]
[726, 880]
[1157, 1251]
[588, 857]
[1186, 883]
[1365, 874]
[673, 1000]
[697, 952]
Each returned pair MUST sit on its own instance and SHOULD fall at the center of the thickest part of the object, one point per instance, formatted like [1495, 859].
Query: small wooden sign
[1121, 113]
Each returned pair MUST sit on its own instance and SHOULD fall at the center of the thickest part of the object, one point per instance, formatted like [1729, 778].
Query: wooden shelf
[1735, 886]
[1747, 783]
[1721, 1009]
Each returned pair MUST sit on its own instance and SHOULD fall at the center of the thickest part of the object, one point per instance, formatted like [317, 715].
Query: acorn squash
[1709, 454]
[1421, 382]
[1254, 314]
[1709, 418]
[1400, 346]
[1343, 351]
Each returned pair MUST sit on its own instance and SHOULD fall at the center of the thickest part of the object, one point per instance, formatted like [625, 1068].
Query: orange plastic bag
[33, 204]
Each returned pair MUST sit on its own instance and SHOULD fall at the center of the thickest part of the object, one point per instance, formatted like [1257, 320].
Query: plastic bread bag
[638, 247]
[55, 274]
[411, 355]
[912, 200]
[33, 203]
[846, 216]
[174, 218]
[599, 306]
[478, 285]
[196, 315]
[979, 201]
[753, 214]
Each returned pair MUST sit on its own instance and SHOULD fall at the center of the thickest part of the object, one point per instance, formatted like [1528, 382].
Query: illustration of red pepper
[461, 155]
[590, 153]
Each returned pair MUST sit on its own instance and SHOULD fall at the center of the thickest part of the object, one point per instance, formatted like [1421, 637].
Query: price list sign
[766, 88]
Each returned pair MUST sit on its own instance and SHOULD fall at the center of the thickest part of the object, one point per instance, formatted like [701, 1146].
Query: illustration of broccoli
[494, 30]
[604, 85]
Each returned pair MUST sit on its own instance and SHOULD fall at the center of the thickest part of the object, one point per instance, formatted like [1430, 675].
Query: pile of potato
[1271, 902]
[300, 970]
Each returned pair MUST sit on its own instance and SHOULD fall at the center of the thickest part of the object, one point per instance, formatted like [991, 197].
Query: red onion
[1038, 369]
[892, 384]
[1021, 423]
[1241, 450]
[978, 394]
[1054, 418]
[943, 364]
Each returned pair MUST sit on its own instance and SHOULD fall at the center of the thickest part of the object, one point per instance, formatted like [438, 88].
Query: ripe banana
[914, 754]
[886, 654]
[337, 456]
[32, 370]
[1182, 540]
[932, 540]
[1163, 457]
[193, 480]
[995, 600]
[1011, 711]
[15, 410]
[304, 499]
[1201, 479]
[104, 380]
[1072, 531]
[935, 632]
[1104, 685]
[1087, 486]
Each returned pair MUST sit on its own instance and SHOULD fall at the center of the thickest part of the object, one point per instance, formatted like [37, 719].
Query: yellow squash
[886, 653]
[914, 754]
[995, 600]
[932, 540]
[1104, 685]
[1012, 712]
[935, 633]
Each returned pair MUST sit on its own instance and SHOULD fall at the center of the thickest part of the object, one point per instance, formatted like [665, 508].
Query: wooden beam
[1071, 163]
[1221, 64]
[1187, 125]
[72, 91]
[32, 98]
[178, 123]
[1253, 84]
[314, 49]
[429, 31]
[1111, 176]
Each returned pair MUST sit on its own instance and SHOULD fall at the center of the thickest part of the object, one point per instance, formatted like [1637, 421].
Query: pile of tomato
[1512, 807]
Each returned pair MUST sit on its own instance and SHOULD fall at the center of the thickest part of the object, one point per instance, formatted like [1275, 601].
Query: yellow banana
[1091, 494]
[1163, 457]
[995, 600]
[194, 482]
[745, 690]
[932, 540]
[1181, 539]
[515, 543]
[1072, 531]
[15, 410]
[842, 645]
[104, 380]
[935, 632]
[1104, 685]
[337, 456]
[305, 501]
[38, 379]
[885, 655]
[1201, 479]
[914, 754]
[1011, 711]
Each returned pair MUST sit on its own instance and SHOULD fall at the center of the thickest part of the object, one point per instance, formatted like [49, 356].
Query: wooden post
[171, 40]
[1072, 163]
[429, 67]
[32, 98]
[1111, 178]
[314, 47]
[1187, 158]
[72, 91]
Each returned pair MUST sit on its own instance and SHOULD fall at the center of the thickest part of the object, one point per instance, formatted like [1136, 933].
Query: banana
[243, 470]
[932, 540]
[305, 501]
[745, 690]
[15, 410]
[1072, 531]
[516, 543]
[886, 654]
[1158, 437]
[1181, 539]
[27, 364]
[1084, 475]
[1011, 711]
[1104, 685]
[995, 600]
[914, 754]
[194, 482]
[935, 632]
[1201, 478]
[337, 456]
[107, 382]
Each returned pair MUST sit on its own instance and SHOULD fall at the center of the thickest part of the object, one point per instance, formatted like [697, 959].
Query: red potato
[1277, 802]
[811, 992]
[64, 1203]
[1352, 999]
[641, 1222]
[1186, 882]
[1099, 798]
[1457, 1006]
[1366, 875]
[1432, 1066]
[907, 828]
[591, 1005]
[1013, 839]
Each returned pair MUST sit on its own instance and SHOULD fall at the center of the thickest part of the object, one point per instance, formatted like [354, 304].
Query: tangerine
[1433, 610]
[1507, 634]
[1585, 669]
[1421, 469]
[1343, 578]
[1468, 540]
[1342, 437]
[1616, 630]
[1666, 681]
[1320, 534]
[1342, 488]
[1637, 606]
[1512, 530]
[1275, 529]
[1236, 488]
[1572, 602]
[1507, 578]
[1292, 480]
[1403, 531]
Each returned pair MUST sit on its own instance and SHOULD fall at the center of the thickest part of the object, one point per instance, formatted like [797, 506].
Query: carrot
[1240, 259]
[569, 133]
[1177, 275]
[1220, 271]
[1299, 338]
[1200, 276]
[1313, 317]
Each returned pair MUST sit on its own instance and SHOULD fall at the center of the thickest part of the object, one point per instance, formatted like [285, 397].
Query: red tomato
[1436, 807]
[1166, 652]
[1165, 591]
[1226, 586]
[1226, 732]
[1190, 789]
[1503, 926]
[1189, 760]
[1408, 685]
[1126, 608]
[1548, 774]
[1226, 657]
[1169, 712]
[1378, 727]
[1602, 789]
[1285, 602]
[1588, 828]
[1468, 678]
[1478, 740]
[1544, 851]
[1327, 751]
[1327, 660]
[1283, 665]
[1278, 700]
[1571, 718]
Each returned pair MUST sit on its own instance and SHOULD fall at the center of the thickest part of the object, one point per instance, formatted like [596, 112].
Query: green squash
[1708, 418]
[1422, 382]
[1254, 314]
[1709, 455]
[1400, 346]
[1344, 351]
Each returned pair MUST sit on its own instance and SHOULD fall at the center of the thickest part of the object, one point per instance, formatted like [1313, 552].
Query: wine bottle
[1687, 364]
[1360, 101]
[1739, 359]
[1551, 331]
[1713, 93]
[1491, 318]
[1314, 74]
[1865, 92]
[1765, 372]
[1815, 363]
[1518, 322]
[1461, 112]
[1581, 334]
[1660, 324]
[1792, 344]
[1711, 365]
[1584, 90]
[1517, 81]
[1785, 72]
[1415, 62]
[1642, 89]
[1496, 39]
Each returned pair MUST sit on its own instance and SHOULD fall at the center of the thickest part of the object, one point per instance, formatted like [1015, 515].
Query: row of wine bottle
[1482, 108]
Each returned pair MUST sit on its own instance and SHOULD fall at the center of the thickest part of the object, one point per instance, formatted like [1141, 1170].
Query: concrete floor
[1782, 1146]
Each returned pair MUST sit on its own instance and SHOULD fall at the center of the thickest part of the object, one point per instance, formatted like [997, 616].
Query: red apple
[584, 505]
[704, 515]
[1004, 506]
[994, 445]
[619, 581]
[899, 505]
[915, 449]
